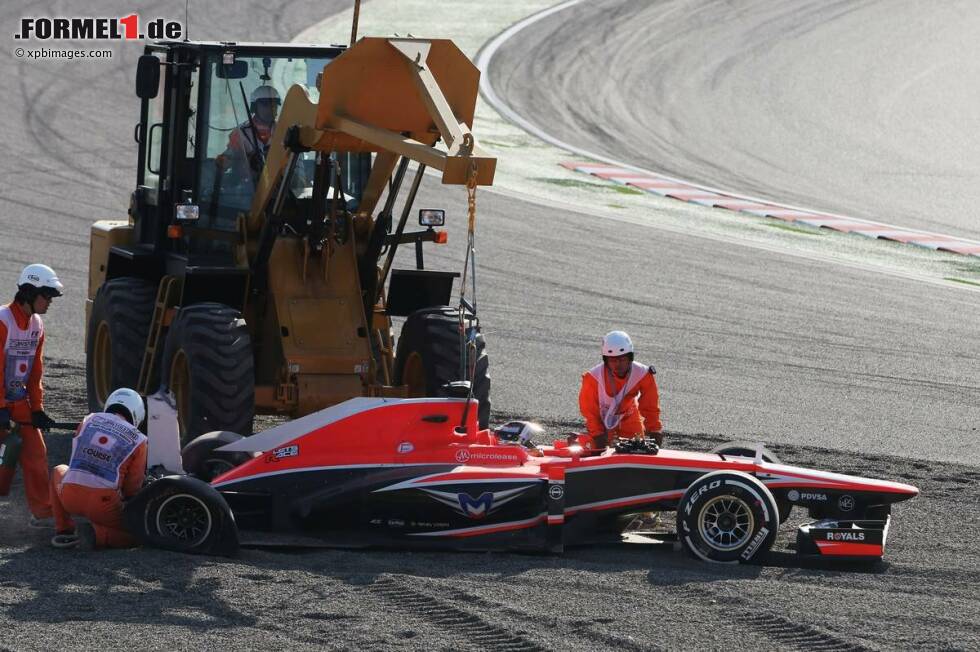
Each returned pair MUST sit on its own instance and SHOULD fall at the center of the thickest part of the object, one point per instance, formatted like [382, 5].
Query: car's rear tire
[727, 517]
[201, 458]
[428, 357]
[208, 365]
[118, 327]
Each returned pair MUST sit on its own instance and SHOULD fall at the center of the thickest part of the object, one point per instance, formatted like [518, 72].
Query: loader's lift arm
[396, 97]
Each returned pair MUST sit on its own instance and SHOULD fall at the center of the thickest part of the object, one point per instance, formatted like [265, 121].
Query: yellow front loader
[256, 271]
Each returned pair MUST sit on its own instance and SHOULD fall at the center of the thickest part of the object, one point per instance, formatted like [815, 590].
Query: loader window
[240, 116]
[154, 135]
[192, 115]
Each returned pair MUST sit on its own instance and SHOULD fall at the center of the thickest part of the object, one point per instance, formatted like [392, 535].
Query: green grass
[961, 280]
[798, 229]
[968, 268]
[575, 183]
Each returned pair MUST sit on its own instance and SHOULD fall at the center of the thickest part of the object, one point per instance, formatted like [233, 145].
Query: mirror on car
[147, 77]
[236, 70]
[432, 217]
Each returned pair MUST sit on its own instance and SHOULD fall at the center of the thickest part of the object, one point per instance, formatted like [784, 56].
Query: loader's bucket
[373, 84]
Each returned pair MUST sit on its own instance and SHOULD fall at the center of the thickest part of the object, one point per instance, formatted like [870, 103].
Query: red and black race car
[419, 473]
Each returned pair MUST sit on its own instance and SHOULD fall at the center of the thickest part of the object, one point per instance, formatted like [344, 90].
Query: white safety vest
[104, 444]
[609, 405]
[19, 351]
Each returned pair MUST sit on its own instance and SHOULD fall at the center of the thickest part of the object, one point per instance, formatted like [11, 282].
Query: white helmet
[40, 277]
[519, 432]
[129, 399]
[265, 92]
[616, 343]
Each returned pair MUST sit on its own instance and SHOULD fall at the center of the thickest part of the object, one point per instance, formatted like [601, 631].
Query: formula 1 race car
[419, 473]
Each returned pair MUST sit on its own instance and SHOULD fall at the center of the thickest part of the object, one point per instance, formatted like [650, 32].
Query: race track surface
[866, 108]
[839, 367]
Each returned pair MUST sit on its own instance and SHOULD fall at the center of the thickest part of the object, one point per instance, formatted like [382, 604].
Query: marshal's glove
[42, 421]
[4, 419]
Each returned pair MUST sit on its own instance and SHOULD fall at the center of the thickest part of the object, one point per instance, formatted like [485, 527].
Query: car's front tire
[201, 458]
[727, 517]
[183, 514]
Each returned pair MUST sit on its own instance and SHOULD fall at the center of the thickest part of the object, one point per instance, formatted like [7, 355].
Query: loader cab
[202, 136]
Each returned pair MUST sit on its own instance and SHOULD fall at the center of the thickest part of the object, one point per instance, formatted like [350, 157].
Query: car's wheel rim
[413, 374]
[184, 519]
[726, 523]
[180, 385]
[102, 362]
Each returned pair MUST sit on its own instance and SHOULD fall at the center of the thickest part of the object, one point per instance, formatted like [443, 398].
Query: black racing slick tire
[208, 365]
[118, 327]
[201, 458]
[183, 514]
[727, 517]
[428, 357]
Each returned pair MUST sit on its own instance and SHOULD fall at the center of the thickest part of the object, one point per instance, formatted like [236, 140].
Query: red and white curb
[668, 187]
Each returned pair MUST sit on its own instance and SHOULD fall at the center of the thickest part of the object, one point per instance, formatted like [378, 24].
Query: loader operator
[247, 147]
[21, 399]
[108, 464]
[619, 397]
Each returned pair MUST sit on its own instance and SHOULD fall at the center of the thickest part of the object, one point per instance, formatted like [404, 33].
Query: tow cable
[467, 336]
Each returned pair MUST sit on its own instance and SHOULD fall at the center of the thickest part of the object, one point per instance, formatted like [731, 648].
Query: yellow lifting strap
[469, 264]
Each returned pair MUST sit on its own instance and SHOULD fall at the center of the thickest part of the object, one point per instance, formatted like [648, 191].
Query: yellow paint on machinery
[313, 344]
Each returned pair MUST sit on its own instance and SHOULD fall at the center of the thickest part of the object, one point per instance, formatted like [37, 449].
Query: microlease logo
[97, 29]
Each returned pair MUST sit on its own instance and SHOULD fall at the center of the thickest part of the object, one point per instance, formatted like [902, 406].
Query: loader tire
[428, 357]
[208, 365]
[117, 330]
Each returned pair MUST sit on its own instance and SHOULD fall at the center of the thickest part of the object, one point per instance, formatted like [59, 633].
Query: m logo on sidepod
[476, 508]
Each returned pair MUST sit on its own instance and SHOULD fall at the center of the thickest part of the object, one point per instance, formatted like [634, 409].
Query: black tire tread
[219, 352]
[126, 303]
[434, 334]
[760, 488]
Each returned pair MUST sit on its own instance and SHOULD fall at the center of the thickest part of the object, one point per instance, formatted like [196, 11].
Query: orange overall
[638, 410]
[22, 398]
[97, 492]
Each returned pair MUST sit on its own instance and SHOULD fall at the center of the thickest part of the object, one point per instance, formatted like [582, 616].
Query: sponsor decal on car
[796, 496]
[405, 447]
[845, 536]
[556, 491]
[464, 456]
[282, 453]
[846, 503]
[477, 507]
